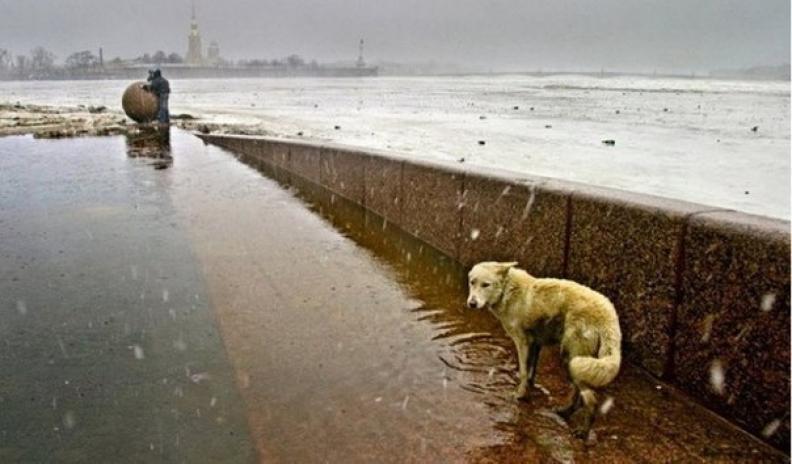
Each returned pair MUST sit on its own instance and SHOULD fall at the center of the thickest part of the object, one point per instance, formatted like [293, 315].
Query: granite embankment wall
[700, 290]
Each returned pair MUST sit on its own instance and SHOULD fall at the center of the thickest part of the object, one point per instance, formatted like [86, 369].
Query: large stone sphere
[140, 105]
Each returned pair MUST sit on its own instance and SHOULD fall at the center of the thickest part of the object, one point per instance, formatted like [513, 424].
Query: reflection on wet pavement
[183, 312]
[109, 350]
[152, 142]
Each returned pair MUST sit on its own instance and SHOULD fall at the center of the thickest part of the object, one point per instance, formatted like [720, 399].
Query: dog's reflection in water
[152, 143]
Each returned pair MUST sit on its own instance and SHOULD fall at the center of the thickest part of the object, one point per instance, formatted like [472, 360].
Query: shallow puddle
[110, 352]
[183, 307]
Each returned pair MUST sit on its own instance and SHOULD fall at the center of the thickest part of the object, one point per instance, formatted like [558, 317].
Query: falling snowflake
[68, 420]
[771, 428]
[607, 405]
[529, 203]
[200, 377]
[717, 377]
[707, 330]
[179, 344]
[768, 301]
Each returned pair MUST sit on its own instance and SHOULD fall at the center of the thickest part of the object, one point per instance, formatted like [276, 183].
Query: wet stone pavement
[162, 302]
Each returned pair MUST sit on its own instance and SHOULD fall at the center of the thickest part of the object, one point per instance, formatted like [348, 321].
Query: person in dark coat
[161, 88]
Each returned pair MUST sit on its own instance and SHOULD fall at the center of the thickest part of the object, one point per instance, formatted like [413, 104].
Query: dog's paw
[580, 432]
[521, 394]
[564, 412]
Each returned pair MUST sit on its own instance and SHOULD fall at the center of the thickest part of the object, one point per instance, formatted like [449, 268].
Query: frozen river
[689, 139]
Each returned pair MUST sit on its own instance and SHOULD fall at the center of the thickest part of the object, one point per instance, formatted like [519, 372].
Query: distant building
[213, 54]
[194, 54]
[361, 63]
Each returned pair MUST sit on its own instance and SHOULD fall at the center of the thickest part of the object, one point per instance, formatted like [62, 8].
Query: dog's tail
[599, 371]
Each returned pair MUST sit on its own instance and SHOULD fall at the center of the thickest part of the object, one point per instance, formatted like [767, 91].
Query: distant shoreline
[371, 72]
[188, 72]
[604, 75]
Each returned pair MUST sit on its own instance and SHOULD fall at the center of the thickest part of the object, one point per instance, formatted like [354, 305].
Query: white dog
[536, 312]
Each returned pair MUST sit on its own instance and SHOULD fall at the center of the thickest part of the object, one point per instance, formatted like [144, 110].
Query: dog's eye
[485, 285]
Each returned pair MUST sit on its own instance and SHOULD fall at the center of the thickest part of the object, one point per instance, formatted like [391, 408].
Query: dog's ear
[503, 268]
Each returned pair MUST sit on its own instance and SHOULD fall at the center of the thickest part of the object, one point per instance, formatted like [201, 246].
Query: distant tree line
[39, 59]
[40, 63]
[291, 61]
[160, 57]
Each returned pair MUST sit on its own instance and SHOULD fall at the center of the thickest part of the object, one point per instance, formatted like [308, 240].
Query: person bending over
[160, 87]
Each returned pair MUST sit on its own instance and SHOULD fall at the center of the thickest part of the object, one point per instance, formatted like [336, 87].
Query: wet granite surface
[734, 320]
[432, 204]
[629, 252]
[384, 187]
[343, 172]
[624, 245]
[504, 221]
[304, 160]
[456, 410]
[280, 154]
[261, 149]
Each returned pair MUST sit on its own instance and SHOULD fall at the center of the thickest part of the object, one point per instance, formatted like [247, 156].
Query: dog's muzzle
[472, 304]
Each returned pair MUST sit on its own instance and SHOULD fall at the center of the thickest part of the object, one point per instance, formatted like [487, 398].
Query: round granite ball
[140, 105]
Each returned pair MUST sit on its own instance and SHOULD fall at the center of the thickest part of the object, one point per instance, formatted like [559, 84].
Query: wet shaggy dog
[536, 312]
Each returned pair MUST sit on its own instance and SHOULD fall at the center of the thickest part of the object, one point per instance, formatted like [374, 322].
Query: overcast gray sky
[633, 35]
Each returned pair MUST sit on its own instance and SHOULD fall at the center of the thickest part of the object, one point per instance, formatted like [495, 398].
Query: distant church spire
[194, 54]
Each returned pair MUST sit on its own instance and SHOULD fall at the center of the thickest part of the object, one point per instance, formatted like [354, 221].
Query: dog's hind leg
[588, 413]
[574, 403]
[577, 342]
[566, 411]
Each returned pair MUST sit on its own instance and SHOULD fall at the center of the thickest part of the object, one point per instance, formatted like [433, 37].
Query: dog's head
[486, 282]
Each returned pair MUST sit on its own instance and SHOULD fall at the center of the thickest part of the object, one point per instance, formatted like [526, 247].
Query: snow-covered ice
[688, 139]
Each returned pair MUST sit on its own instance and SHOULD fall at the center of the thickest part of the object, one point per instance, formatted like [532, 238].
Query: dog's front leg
[533, 360]
[522, 343]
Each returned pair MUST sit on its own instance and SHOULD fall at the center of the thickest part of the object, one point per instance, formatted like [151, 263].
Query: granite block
[432, 205]
[384, 187]
[627, 247]
[732, 337]
[305, 161]
[506, 220]
[342, 172]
